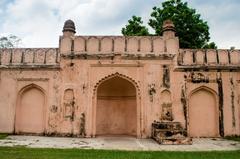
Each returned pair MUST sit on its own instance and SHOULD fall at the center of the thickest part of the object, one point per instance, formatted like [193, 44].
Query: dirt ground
[118, 143]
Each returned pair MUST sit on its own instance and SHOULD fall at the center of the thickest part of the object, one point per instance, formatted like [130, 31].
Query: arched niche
[116, 109]
[166, 96]
[203, 113]
[166, 111]
[30, 110]
[132, 44]
[68, 102]
[106, 45]
[79, 44]
[93, 45]
[145, 45]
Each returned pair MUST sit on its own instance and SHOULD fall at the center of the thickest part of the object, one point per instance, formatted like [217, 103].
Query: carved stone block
[167, 112]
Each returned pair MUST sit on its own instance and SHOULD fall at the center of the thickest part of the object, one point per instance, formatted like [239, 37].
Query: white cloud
[39, 22]
[33, 21]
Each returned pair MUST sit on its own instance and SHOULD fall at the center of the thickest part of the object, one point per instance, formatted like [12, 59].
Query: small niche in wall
[166, 77]
[68, 104]
[166, 96]
[166, 104]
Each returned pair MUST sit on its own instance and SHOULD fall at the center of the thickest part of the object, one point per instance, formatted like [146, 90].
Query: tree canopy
[135, 27]
[193, 32]
[210, 45]
[9, 41]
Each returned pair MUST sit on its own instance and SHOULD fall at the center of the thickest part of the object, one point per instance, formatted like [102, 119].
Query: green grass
[37, 153]
[3, 136]
[234, 138]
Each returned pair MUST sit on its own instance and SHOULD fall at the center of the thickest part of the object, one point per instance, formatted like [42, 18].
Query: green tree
[210, 45]
[192, 31]
[135, 27]
[9, 41]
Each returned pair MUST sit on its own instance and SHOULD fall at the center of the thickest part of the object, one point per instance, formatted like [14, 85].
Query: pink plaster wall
[116, 117]
[92, 61]
[203, 114]
[30, 112]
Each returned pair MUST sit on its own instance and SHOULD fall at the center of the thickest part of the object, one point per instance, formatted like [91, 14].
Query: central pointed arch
[117, 75]
[116, 107]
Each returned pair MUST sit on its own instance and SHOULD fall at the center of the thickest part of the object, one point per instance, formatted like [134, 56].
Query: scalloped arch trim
[117, 75]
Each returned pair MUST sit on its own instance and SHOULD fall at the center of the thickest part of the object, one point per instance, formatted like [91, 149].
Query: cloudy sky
[39, 22]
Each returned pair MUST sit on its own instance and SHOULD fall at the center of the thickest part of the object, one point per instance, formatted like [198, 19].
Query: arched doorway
[116, 109]
[30, 111]
[203, 114]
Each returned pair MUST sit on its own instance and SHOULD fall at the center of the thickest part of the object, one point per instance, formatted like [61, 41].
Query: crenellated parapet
[208, 59]
[141, 46]
[29, 58]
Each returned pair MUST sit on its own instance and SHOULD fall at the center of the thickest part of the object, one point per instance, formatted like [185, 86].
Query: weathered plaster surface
[163, 77]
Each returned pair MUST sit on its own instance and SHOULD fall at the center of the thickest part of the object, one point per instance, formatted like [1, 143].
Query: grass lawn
[37, 153]
[3, 136]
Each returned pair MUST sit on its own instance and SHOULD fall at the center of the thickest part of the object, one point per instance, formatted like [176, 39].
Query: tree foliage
[193, 32]
[210, 45]
[9, 41]
[135, 27]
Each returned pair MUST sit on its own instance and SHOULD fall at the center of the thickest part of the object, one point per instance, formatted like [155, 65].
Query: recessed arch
[203, 113]
[166, 96]
[124, 102]
[93, 44]
[202, 88]
[29, 86]
[116, 75]
[30, 110]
